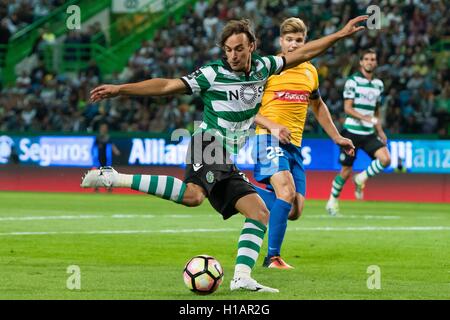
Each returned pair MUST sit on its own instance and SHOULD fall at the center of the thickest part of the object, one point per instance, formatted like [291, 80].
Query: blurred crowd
[17, 14]
[415, 73]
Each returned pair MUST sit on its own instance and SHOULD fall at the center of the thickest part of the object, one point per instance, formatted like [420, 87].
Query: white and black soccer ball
[203, 274]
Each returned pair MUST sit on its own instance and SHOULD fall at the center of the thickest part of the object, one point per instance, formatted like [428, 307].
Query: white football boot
[359, 189]
[103, 177]
[332, 207]
[250, 285]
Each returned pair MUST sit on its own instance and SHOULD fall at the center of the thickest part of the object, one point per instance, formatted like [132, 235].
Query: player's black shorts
[223, 182]
[369, 143]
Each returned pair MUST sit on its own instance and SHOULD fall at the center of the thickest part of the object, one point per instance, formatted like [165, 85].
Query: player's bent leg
[384, 156]
[194, 195]
[332, 205]
[253, 207]
[250, 241]
[382, 160]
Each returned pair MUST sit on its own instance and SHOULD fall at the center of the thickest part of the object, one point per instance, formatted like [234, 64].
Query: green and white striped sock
[249, 245]
[166, 187]
[374, 168]
[336, 187]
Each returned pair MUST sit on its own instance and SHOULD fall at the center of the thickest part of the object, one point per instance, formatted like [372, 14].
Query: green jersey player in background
[362, 93]
[231, 90]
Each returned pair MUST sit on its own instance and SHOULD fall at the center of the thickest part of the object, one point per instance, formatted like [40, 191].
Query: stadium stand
[413, 52]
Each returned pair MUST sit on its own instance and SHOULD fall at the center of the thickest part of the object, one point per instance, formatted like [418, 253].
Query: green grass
[329, 263]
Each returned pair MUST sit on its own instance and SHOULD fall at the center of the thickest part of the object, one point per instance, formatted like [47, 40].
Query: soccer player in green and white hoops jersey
[231, 90]
[362, 93]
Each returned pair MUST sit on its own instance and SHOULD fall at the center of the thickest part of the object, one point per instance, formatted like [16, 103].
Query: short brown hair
[367, 51]
[293, 25]
[237, 27]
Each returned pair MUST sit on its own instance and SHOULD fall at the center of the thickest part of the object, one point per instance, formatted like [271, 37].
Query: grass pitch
[135, 247]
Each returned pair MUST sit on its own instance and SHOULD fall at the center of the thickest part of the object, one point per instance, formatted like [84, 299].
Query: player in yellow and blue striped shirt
[281, 121]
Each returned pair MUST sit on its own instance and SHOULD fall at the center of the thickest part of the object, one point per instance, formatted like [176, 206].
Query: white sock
[242, 271]
[124, 181]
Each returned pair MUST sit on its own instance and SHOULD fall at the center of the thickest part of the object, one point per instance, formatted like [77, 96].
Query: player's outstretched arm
[316, 47]
[323, 116]
[152, 87]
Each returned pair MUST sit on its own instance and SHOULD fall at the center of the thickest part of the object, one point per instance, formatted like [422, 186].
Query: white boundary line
[180, 216]
[83, 217]
[98, 232]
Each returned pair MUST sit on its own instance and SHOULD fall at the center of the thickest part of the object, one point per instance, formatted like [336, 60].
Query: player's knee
[287, 193]
[193, 199]
[197, 200]
[386, 161]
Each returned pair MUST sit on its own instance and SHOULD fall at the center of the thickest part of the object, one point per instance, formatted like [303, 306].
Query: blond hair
[293, 25]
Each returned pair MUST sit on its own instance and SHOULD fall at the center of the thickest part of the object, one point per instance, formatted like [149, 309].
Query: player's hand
[370, 119]
[352, 26]
[347, 145]
[382, 136]
[104, 92]
[281, 133]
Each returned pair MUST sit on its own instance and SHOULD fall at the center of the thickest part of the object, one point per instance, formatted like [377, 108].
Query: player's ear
[252, 46]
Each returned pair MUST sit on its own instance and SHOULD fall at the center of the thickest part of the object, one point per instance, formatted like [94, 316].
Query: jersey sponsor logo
[292, 96]
[247, 93]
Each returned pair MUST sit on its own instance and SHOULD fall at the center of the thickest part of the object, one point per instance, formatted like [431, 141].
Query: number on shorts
[273, 152]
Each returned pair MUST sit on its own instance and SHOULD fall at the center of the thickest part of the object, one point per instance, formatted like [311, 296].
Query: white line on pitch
[341, 216]
[367, 217]
[366, 228]
[82, 217]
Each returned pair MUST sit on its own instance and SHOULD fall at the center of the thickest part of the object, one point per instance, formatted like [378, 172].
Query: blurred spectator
[104, 147]
[411, 64]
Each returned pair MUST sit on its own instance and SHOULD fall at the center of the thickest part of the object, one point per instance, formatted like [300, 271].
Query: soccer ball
[203, 274]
